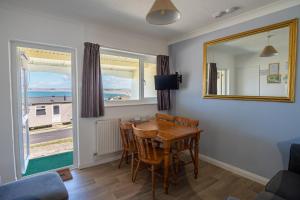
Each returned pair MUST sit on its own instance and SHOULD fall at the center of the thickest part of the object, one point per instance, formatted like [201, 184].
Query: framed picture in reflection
[274, 78]
[274, 69]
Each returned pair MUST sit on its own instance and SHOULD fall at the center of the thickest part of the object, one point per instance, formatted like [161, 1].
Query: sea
[49, 94]
[63, 94]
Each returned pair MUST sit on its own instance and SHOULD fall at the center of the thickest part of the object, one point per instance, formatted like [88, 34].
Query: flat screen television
[166, 82]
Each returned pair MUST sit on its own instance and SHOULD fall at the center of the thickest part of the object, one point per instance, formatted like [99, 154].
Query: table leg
[196, 152]
[166, 165]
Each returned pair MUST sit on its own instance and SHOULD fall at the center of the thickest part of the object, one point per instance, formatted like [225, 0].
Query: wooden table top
[167, 131]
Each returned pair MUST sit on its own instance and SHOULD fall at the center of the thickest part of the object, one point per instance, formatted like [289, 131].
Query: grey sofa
[285, 185]
[48, 186]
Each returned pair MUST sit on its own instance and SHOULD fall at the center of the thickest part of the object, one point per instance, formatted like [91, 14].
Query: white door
[56, 117]
[20, 76]
[24, 111]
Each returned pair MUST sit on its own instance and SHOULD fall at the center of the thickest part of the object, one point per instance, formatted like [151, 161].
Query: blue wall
[254, 136]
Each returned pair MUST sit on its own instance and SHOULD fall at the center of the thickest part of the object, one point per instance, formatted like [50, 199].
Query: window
[149, 84]
[127, 76]
[56, 110]
[40, 110]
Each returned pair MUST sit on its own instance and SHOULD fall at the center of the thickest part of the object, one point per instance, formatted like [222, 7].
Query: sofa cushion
[267, 196]
[42, 187]
[285, 184]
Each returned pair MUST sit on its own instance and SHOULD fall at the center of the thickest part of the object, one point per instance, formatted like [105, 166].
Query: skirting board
[102, 160]
[228, 167]
[235, 170]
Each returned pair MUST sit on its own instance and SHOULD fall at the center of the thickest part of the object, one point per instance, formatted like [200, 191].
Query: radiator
[108, 139]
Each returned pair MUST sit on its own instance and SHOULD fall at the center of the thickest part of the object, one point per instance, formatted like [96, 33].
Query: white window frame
[142, 59]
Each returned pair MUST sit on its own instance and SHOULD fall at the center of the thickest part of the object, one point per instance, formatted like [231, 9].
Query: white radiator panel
[108, 139]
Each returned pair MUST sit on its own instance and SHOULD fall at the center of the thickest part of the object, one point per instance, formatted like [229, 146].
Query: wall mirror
[259, 64]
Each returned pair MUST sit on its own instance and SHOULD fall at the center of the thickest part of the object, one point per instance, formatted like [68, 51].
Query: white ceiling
[130, 14]
[254, 43]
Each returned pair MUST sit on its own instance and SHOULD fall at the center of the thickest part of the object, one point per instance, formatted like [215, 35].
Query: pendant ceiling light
[269, 50]
[163, 12]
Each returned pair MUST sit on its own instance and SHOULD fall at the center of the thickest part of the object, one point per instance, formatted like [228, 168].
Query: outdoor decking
[50, 148]
[49, 163]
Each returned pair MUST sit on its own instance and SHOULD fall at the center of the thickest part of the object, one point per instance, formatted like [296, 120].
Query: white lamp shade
[163, 12]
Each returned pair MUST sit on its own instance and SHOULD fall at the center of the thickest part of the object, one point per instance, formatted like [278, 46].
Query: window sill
[129, 103]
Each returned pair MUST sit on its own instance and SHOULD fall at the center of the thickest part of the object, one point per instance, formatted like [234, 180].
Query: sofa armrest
[285, 184]
[48, 186]
[294, 163]
[268, 196]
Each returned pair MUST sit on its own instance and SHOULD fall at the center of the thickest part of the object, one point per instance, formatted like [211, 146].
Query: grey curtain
[213, 77]
[163, 96]
[92, 103]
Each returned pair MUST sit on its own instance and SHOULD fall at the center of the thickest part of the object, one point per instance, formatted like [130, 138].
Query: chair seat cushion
[267, 196]
[285, 184]
[48, 186]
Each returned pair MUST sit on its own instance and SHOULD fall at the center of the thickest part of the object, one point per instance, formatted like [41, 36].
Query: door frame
[16, 94]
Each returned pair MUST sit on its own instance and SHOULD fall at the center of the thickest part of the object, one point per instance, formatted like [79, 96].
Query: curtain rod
[123, 50]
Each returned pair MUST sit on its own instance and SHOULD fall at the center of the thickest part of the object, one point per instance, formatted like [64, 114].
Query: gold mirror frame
[293, 30]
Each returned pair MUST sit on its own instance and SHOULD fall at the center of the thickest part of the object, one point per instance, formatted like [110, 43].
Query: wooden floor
[107, 182]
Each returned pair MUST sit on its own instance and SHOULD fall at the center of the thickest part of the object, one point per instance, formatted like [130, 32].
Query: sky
[114, 82]
[49, 80]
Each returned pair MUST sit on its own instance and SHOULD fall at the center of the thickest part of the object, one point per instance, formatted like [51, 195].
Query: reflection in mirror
[255, 65]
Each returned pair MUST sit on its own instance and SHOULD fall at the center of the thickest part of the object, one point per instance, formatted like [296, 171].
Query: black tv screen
[166, 82]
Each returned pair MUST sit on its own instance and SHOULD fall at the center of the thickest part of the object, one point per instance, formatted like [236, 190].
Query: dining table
[169, 133]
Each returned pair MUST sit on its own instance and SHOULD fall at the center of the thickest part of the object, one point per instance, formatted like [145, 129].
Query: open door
[23, 103]
[43, 110]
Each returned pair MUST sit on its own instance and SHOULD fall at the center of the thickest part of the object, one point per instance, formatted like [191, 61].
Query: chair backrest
[165, 118]
[126, 134]
[146, 145]
[183, 121]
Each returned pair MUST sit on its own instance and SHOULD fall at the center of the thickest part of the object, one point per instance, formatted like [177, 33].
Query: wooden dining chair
[185, 144]
[128, 143]
[165, 118]
[148, 152]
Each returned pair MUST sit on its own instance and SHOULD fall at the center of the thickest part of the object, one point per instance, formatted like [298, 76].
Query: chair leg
[191, 150]
[176, 167]
[176, 163]
[126, 154]
[174, 175]
[153, 182]
[136, 171]
[192, 155]
[123, 154]
[132, 164]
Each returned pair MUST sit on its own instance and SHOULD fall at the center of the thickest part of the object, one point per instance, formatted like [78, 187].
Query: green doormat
[49, 163]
